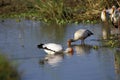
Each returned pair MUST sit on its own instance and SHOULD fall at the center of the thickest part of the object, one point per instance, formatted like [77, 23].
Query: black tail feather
[40, 46]
[89, 32]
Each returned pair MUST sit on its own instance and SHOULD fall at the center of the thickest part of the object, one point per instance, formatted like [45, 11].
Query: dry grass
[58, 11]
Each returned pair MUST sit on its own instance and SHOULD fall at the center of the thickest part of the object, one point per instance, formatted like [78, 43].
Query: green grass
[7, 72]
[56, 11]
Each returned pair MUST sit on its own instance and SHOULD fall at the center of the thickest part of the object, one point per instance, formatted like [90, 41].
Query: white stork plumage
[53, 48]
[80, 34]
[106, 14]
[115, 18]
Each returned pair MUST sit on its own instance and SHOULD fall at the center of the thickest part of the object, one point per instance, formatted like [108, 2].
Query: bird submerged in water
[53, 48]
[80, 34]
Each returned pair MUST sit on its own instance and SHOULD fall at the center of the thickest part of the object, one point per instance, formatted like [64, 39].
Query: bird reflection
[82, 49]
[106, 31]
[52, 60]
[117, 61]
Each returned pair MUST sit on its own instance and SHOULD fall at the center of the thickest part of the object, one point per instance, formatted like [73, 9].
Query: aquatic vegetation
[112, 42]
[7, 72]
[96, 47]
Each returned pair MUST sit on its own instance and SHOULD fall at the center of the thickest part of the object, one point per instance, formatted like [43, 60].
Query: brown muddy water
[19, 40]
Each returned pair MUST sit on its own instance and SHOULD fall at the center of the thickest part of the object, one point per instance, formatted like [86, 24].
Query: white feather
[81, 34]
[53, 48]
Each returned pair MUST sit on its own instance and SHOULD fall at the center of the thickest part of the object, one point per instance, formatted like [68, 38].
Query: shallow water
[19, 40]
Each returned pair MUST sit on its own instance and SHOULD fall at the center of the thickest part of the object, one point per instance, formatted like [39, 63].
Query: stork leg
[82, 41]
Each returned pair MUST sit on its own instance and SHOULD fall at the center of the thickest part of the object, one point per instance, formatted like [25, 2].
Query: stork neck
[73, 40]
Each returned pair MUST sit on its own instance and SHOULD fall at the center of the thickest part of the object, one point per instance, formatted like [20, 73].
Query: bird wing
[79, 34]
[53, 47]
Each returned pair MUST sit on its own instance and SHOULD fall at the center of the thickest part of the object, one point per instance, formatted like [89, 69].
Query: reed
[74, 11]
[58, 11]
[53, 11]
